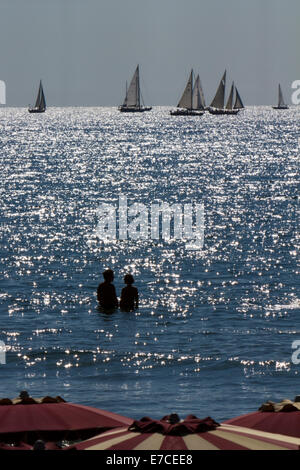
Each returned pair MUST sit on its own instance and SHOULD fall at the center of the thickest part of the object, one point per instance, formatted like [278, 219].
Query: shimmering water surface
[213, 334]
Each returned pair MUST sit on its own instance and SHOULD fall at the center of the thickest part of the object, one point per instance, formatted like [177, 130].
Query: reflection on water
[214, 328]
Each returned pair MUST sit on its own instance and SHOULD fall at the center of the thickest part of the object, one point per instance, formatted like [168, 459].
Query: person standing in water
[129, 296]
[106, 292]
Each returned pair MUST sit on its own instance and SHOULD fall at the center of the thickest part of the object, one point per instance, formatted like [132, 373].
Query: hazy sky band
[85, 50]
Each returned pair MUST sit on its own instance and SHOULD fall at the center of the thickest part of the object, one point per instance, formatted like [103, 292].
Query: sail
[133, 93]
[201, 94]
[186, 100]
[238, 101]
[230, 99]
[197, 98]
[43, 100]
[218, 101]
[40, 100]
[280, 98]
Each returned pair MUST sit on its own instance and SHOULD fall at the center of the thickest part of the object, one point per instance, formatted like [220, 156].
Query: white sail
[186, 101]
[218, 101]
[198, 100]
[238, 101]
[133, 93]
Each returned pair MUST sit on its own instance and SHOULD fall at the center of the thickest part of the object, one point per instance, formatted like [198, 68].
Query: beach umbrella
[50, 418]
[24, 446]
[282, 418]
[20, 446]
[190, 434]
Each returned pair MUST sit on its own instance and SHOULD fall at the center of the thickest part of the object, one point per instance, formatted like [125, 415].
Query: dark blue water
[214, 330]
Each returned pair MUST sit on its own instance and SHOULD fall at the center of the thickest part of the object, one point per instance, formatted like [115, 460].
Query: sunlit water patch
[214, 330]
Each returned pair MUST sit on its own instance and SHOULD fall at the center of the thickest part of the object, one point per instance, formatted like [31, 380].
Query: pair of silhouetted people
[106, 293]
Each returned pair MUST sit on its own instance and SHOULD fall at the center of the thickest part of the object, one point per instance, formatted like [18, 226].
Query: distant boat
[218, 103]
[281, 103]
[132, 102]
[192, 102]
[40, 104]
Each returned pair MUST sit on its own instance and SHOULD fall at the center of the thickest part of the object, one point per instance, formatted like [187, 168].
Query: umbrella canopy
[24, 446]
[53, 418]
[190, 434]
[21, 446]
[56, 417]
[282, 418]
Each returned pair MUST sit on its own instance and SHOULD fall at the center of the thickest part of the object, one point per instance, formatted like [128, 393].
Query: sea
[217, 330]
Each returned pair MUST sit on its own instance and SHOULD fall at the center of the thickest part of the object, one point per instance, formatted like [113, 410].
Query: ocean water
[214, 330]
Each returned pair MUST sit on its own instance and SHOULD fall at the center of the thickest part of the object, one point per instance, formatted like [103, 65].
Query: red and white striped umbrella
[282, 418]
[191, 434]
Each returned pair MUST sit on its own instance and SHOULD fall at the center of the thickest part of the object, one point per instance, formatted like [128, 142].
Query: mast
[138, 88]
[192, 75]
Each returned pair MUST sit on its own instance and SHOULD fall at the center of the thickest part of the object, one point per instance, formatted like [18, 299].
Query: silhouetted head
[39, 445]
[108, 275]
[128, 279]
[173, 418]
[24, 395]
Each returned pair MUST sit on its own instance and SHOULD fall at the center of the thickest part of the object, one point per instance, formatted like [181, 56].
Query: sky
[85, 50]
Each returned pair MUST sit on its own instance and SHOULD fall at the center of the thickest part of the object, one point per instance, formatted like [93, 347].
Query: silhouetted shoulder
[129, 297]
[106, 295]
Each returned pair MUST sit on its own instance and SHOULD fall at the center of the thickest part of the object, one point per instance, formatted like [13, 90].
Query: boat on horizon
[218, 103]
[281, 103]
[40, 104]
[192, 101]
[132, 102]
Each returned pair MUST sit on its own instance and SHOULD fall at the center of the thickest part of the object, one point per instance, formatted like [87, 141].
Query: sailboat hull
[33, 110]
[223, 111]
[128, 109]
[280, 107]
[186, 112]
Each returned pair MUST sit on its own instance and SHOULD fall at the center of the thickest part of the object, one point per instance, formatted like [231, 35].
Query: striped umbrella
[190, 434]
[282, 418]
[27, 419]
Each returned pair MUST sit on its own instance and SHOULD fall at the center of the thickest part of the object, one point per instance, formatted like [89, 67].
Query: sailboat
[132, 102]
[281, 103]
[217, 104]
[192, 102]
[40, 104]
